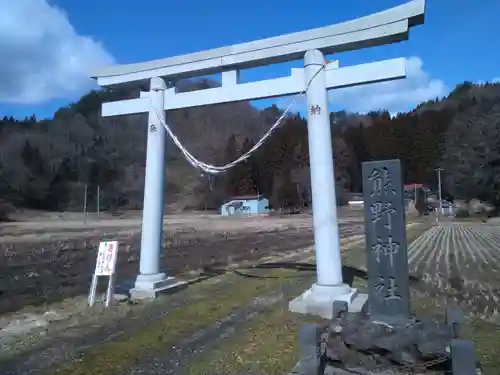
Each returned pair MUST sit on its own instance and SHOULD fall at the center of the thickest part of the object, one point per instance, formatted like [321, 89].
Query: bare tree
[471, 153]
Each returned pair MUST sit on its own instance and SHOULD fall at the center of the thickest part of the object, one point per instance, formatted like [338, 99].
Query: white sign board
[107, 256]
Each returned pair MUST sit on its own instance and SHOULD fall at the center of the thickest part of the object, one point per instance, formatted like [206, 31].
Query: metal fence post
[85, 206]
[98, 200]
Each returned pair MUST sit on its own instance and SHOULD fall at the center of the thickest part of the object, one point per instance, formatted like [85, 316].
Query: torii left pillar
[151, 280]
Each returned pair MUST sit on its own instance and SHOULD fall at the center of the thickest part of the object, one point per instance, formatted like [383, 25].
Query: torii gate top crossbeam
[391, 25]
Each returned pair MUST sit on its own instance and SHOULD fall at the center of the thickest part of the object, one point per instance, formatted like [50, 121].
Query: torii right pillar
[329, 286]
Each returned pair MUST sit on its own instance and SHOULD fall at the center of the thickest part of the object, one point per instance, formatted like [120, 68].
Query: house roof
[235, 204]
[412, 186]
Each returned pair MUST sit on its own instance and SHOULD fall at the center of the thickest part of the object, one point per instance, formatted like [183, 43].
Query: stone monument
[386, 252]
[385, 338]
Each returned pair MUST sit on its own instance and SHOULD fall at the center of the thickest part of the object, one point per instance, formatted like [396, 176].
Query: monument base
[352, 343]
[149, 286]
[319, 299]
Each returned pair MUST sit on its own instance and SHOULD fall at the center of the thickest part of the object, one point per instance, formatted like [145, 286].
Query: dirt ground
[228, 324]
[52, 257]
[36, 226]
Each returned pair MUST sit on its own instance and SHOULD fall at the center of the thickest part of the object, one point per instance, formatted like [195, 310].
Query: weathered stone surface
[434, 339]
[385, 228]
[356, 339]
[311, 355]
[455, 318]
[384, 339]
[338, 308]
[463, 357]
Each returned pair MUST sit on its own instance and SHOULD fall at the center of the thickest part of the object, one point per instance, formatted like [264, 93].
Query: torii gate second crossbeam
[386, 27]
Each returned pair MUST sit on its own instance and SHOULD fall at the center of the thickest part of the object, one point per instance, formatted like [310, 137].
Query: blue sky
[454, 44]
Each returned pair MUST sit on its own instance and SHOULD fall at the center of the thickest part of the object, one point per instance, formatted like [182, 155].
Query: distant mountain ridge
[46, 164]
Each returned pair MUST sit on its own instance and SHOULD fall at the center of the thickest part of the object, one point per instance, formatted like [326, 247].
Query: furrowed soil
[158, 337]
[42, 270]
[232, 323]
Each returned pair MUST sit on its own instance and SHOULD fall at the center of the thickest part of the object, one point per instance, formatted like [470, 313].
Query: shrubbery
[5, 210]
[462, 213]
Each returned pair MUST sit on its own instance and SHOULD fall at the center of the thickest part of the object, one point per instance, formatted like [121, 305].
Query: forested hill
[46, 164]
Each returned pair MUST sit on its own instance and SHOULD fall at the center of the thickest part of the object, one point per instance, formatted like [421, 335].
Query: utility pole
[98, 203]
[85, 206]
[438, 170]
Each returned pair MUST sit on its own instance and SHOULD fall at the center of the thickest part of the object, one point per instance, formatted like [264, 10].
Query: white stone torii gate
[381, 28]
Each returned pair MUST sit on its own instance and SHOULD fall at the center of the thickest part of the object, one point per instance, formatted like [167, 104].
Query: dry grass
[38, 226]
[120, 354]
[269, 345]
[485, 334]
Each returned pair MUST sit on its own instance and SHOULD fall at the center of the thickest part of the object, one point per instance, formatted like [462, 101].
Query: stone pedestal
[319, 299]
[149, 286]
[356, 343]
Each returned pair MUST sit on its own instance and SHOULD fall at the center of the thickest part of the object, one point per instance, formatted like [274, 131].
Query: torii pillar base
[150, 286]
[329, 287]
[150, 281]
[319, 300]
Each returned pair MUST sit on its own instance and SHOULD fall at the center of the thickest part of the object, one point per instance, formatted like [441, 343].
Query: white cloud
[42, 56]
[496, 80]
[395, 96]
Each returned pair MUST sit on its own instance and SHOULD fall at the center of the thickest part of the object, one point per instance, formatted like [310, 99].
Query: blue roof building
[245, 205]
